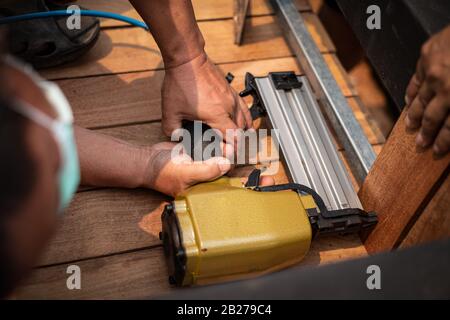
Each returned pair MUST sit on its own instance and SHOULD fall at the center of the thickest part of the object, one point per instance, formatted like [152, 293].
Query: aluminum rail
[306, 144]
[359, 152]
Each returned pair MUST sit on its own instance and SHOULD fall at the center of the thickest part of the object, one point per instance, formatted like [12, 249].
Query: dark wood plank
[124, 276]
[131, 49]
[434, 223]
[143, 274]
[127, 98]
[106, 221]
[398, 187]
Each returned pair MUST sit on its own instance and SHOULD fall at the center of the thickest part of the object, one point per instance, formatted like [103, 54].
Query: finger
[206, 171]
[433, 118]
[227, 151]
[227, 128]
[170, 124]
[238, 113]
[416, 110]
[442, 143]
[420, 70]
[416, 82]
[239, 116]
[412, 90]
[246, 112]
[267, 181]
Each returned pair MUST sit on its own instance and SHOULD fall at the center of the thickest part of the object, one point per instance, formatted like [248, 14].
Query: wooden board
[434, 223]
[114, 100]
[398, 187]
[131, 49]
[144, 273]
[106, 221]
[124, 276]
[222, 9]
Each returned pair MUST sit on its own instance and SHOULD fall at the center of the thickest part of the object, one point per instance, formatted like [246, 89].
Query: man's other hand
[428, 95]
[197, 90]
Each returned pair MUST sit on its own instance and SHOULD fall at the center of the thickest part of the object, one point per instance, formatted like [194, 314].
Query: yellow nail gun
[224, 230]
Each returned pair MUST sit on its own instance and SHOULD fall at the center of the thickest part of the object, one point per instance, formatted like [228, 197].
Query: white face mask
[61, 129]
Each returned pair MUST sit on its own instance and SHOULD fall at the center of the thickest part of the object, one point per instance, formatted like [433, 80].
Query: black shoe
[48, 42]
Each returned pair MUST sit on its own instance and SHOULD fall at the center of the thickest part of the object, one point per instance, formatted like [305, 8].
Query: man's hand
[174, 175]
[428, 95]
[109, 162]
[194, 88]
[197, 90]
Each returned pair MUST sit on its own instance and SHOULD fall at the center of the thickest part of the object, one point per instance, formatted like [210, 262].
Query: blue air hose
[62, 13]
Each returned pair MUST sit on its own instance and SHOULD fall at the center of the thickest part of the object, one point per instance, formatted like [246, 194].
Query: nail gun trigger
[253, 179]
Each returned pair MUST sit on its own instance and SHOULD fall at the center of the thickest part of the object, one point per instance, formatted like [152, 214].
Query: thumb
[208, 170]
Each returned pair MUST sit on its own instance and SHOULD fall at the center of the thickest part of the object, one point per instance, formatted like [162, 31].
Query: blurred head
[29, 166]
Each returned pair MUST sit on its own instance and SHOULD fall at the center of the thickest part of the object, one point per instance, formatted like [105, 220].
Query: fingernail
[420, 141]
[408, 121]
[224, 165]
[437, 150]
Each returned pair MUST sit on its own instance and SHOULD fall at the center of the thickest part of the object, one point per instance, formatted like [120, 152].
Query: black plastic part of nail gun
[257, 110]
[324, 221]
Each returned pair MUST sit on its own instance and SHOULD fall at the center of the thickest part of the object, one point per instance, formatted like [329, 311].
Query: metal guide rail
[303, 136]
[358, 149]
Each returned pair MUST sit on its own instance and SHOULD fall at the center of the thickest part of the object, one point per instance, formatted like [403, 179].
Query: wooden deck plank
[144, 273]
[105, 221]
[127, 98]
[222, 9]
[434, 223]
[132, 49]
[398, 186]
[124, 276]
[114, 100]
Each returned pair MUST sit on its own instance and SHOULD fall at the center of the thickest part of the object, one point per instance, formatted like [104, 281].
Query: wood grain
[222, 9]
[398, 186]
[131, 49]
[143, 274]
[124, 276]
[135, 98]
[106, 221]
[434, 223]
